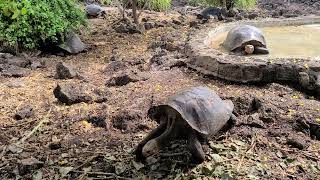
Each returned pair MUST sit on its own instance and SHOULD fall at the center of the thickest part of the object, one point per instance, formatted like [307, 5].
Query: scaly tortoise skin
[246, 38]
[191, 114]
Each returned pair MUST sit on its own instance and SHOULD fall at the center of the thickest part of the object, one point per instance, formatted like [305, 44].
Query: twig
[253, 144]
[4, 150]
[86, 162]
[44, 120]
[102, 173]
[20, 124]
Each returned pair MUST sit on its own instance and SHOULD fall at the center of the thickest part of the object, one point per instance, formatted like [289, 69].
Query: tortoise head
[249, 49]
[157, 113]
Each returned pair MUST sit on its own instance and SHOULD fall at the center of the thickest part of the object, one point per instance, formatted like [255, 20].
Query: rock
[304, 79]
[211, 11]
[160, 24]
[149, 25]
[247, 104]
[315, 130]
[29, 165]
[239, 17]
[13, 71]
[100, 95]
[65, 71]
[232, 12]
[177, 22]
[71, 94]
[6, 55]
[193, 24]
[55, 143]
[254, 121]
[124, 78]
[301, 123]
[14, 84]
[126, 26]
[98, 121]
[36, 64]
[173, 47]
[125, 120]
[16, 61]
[253, 15]
[115, 66]
[297, 141]
[24, 112]
[15, 149]
[73, 44]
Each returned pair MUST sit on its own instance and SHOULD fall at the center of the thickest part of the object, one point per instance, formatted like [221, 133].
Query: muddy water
[286, 41]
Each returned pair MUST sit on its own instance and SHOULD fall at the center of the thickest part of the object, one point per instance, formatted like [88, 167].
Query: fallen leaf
[120, 168]
[15, 149]
[88, 169]
[207, 169]
[252, 177]
[37, 175]
[31, 161]
[151, 160]
[137, 165]
[64, 170]
[217, 147]
[216, 158]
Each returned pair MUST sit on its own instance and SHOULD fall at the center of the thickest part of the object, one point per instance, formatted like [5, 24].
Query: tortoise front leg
[195, 148]
[155, 145]
[153, 134]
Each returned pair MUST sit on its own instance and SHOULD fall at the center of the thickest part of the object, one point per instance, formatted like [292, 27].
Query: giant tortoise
[192, 114]
[246, 39]
[95, 10]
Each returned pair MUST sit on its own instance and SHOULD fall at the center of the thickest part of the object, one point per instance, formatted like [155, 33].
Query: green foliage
[196, 2]
[215, 2]
[245, 4]
[242, 4]
[159, 5]
[106, 2]
[156, 5]
[30, 23]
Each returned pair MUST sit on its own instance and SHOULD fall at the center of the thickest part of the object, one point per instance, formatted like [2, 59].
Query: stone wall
[246, 69]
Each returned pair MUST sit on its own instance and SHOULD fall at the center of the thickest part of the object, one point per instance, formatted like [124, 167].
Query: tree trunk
[134, 12]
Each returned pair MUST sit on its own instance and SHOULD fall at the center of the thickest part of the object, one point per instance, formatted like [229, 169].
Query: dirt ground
[276, 135]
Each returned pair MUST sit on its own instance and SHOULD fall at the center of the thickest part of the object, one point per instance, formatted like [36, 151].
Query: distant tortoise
[192, 114]
[246, 39]
[94, 10]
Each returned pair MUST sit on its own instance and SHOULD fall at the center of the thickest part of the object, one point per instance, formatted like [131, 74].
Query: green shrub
[242, 4]
[156, 5]
[106, 2]
[28, 24]
[159, 5]
[196, 2]
[245, 4]
[215, 2]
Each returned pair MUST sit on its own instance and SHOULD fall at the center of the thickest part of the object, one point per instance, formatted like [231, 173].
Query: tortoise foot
[150, 148]
[195, 148]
